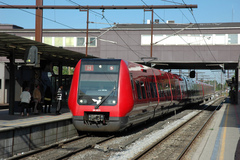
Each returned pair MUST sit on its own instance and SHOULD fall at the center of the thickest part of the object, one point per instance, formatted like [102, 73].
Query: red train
[109, 95]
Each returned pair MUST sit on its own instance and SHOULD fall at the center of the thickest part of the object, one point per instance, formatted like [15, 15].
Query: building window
[47, 40]
[220, 39]
[92, 41]
[80, 41]
[158, 39]
[58, 41]
[191, 39]
[232, 39]
[69, 42]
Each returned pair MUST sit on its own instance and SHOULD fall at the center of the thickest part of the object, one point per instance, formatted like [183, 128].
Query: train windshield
[98, 82]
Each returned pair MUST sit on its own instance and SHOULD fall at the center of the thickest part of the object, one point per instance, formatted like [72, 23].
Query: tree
[65, 71]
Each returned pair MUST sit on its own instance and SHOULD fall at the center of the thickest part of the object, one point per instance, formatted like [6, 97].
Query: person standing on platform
[37, 98]
[59, 100]
[25, 100]
[48, 100]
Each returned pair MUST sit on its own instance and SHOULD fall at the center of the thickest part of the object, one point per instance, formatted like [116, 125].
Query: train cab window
[98, 82]
[143, 90]
[138, 90]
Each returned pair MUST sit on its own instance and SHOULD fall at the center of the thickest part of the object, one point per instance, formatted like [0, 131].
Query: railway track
[65, 149]
[104, 147]
[176, 144]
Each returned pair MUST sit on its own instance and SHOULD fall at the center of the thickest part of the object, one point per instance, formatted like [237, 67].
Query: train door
[141, 111]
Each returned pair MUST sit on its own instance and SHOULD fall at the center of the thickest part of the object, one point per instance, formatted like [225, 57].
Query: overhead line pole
[38, 21]
[87, 10]
[151, 48]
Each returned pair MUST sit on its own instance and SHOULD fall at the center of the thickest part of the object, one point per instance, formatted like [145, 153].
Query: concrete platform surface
[20, 134]
[8, 121]
[221, 139]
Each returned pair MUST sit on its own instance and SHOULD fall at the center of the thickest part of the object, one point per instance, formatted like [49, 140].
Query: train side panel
[141, 79]
[111, 95]
[125, 99]
[73, 93]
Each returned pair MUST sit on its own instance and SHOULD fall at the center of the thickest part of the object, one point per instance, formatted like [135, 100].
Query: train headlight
[112, 102]
[83, 101]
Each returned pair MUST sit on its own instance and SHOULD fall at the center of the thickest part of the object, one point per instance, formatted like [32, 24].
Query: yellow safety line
[224, 137]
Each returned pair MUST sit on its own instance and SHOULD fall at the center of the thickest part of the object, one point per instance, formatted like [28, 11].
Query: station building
[203, 45]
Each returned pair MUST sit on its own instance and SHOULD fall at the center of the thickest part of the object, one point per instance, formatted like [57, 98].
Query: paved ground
[221, 140]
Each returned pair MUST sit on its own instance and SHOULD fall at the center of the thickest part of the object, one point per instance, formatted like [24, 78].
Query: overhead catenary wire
[74, 28]
[112, 27]
[70, 26]
[54, 21]
[202, 59]
[191, 12]
[201, 32]
[42, 17]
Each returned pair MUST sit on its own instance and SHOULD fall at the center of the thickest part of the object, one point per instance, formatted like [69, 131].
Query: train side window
[155, 89]
[138, 90]
[131, 76]
[152, 92]
[147, 88]
[159, 89]
[143, 90]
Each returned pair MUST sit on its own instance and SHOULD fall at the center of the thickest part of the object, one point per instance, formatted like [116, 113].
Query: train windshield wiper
[113, 90]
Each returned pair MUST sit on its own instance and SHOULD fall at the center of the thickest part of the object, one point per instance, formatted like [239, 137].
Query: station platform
[20, 134]
[10, 121]
[221, 140]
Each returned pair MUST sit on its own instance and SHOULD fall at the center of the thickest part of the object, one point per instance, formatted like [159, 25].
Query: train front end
[96, 97]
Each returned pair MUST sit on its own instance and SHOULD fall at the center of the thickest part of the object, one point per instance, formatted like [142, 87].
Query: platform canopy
[191, 65]
[10, 44]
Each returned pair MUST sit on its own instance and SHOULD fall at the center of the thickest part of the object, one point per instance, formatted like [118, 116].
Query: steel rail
[32, 152]
[199, 132]
[82, 149]
[138, 156]
[61, 144]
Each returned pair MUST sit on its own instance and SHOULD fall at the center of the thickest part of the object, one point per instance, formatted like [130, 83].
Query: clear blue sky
[208, 11]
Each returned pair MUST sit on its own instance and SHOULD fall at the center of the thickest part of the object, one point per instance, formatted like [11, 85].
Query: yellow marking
[224, 136]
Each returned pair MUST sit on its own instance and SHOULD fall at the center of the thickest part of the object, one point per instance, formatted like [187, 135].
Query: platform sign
[31, 56]
[89, 68]
[112, 68]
